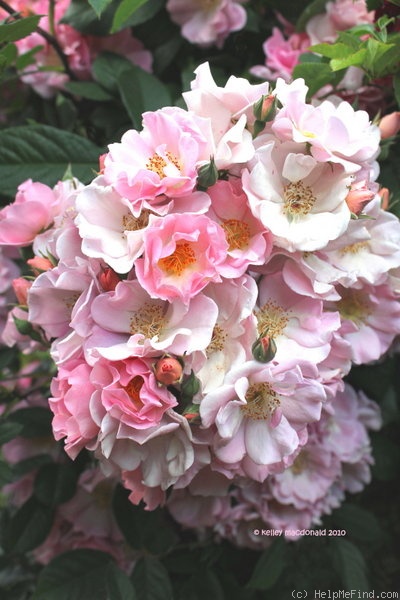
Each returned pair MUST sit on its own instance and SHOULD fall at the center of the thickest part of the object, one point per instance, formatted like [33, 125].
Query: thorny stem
[47, 36]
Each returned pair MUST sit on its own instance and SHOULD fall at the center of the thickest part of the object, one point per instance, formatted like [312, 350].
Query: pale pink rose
[33, 211]
[299, 326]
[130, 323]
[182, 254]
[209, 21]
[249, 242]
[159, 161]
[260, 411]
[281, 55]
[300, 200]
[370, 320]
[8, 272]
[71, 391]
[389, 125]
[233, 333]
[128, 390]
[229, 110]
[340, 15]
[335, 131]
[122, 43]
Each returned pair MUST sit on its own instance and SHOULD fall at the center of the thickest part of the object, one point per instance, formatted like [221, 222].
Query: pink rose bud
[384, 194]
[101, 163]
[358, 197]
[264, 108]
[389, 125]
[264, 348]
[168, 370]
[39, 264]
[109, 279]
[21, 287]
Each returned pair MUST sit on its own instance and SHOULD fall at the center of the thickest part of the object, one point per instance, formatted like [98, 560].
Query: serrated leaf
[140, 91]
[55, 483]
[151, 580]
[43, 153]
[357, 59]
[83, 575]
[351, 566]
[35, 421]
[106, 69]
[316, 75]
[28, 528]
[81, 16]
[18, 29]
[88, 89]
[123, 12]
[359, 523]
[8, 54]
[9, 430]
[144, 13]
[269, 566]
[99, 6]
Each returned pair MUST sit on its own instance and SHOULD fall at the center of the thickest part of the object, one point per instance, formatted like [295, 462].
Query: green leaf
[350, 565]
[81, 16]
[357, 59]
[203, 584]
[396, 87]
[314, 8]
[43, 153]
[9, 430]
[28, 527]
[55, 483]
[376, 56]
[35, 421]
[138, 525]
[269, 567]
[386, 455]
[88, 89]
[24, 327]
[151, 580]
[338, 50]
[99, 6]
[316, 75]
[106, 69]
[83, 575]
[26, 59]
[144, 13]
[6, 474]
[359, 523]
[29, 464]
[8, 55]
[140, 91]
[123, 12]
[18, 29]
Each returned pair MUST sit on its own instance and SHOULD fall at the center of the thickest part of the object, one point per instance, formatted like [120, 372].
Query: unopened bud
[192, 413]
[190, 386]
[168, 370]
[264, 348]
[21, 287]
[384, 194]
[389, 125]
[39, 264]
[109, 279]
[101, 163]
[207, 175]
[265, 108]
[358, 197]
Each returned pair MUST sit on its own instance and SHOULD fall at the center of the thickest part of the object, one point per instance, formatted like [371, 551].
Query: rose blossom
[182, 254]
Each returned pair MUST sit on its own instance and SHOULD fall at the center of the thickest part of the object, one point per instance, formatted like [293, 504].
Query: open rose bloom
[204, 297]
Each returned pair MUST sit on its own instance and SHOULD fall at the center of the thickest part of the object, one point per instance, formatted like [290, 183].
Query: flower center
[157, 163]
[208, 4]
[149, 320]
[218, 340]
[354, 248]
[298, 199]
[353, 306]
[182, 257]
[271, 319]
[261, 400]
[237, 234]
[131, 223]
[133, 390]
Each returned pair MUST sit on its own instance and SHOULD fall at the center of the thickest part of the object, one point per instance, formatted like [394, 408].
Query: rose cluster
[205, 296]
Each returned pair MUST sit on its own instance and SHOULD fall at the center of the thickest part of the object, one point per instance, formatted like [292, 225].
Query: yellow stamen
[298, 199]
[237, 234]
[179, 260]
[261, 400]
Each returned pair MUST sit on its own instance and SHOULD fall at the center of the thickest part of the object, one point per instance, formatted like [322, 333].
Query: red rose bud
[264, 348]
[168, 370]
[21, 287]
[384, 194]
[389, 125]
[192, 413]
[39, 264]
[207, 175]
[264, 109]
[109, 279]
[358, 197]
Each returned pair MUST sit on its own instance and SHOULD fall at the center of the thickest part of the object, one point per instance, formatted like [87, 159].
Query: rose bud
[264, 348]
[389, 125]
[168, 370]
[101, 163]
[39, 264]
[109, 279]
[384, 194]
[21, 287]
[358, 197]
[264, 109]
